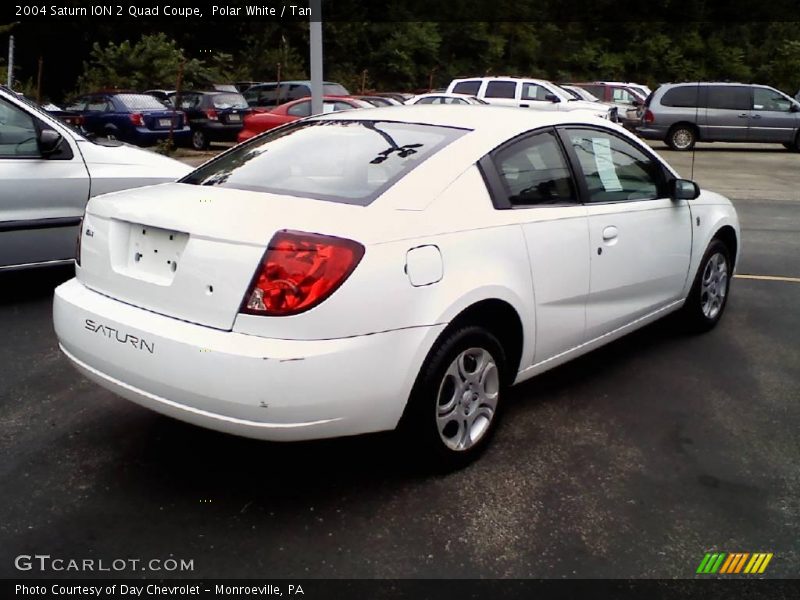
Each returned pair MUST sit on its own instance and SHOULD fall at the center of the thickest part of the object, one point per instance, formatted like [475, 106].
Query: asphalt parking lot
[630, 462]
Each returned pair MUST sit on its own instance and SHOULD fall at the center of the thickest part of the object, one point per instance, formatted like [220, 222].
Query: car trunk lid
[191, 252]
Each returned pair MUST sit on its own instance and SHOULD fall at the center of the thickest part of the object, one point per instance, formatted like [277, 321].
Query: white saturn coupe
[395, 268]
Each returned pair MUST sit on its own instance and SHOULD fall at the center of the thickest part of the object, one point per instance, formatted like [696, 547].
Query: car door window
[501, 89]
[467, 87]
[301, 109]
[533, 91]
[534, 171]
[730, 97]
[766, 99]
[621, 96]
[17, 132]
[614, 169]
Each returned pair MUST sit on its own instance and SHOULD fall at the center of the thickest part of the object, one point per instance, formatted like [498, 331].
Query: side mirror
[552, 98]
[794, 108]
[683, 189]
[48, 140]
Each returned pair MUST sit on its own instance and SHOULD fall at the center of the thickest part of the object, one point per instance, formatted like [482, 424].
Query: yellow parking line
[769, 278]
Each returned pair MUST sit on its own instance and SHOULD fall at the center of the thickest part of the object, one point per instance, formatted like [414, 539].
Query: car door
[727, 112]
[501, 91]
[41, 198]
[532, 177]
[640, 239]
[533, 95]
[773, 118]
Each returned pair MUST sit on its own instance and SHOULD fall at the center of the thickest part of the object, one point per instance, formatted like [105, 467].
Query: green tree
[152, 62]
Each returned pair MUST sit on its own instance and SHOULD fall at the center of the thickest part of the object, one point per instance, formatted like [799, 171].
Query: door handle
[524, 105]
[610, 233]
[743, 116]
[756, 116]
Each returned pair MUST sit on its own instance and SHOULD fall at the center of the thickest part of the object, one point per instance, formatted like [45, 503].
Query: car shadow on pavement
[32, 284]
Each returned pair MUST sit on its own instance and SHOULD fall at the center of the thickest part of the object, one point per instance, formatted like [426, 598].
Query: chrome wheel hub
[714, 285]
[467, 399]
[682, 138]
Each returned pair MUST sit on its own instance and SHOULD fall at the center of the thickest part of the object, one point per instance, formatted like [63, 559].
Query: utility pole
[315, 48]
[10, 79]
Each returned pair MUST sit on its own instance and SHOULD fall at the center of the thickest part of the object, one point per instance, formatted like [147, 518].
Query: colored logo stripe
[722, 563]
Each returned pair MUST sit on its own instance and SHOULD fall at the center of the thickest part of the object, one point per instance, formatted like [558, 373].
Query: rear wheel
[453, 409]
[199, 140]
[794, 146]
[709, 295]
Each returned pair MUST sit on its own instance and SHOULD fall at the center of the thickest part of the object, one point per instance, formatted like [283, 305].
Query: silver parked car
[681, 114]
[48, 171]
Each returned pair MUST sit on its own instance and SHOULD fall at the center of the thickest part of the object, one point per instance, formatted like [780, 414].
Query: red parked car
[260, 122]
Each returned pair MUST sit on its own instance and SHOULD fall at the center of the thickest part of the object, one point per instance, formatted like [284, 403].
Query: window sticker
[601, 148]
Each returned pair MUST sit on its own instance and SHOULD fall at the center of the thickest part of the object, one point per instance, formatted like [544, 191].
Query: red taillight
[137, 120]
[300, 270]
[649, 117]
[211, 114]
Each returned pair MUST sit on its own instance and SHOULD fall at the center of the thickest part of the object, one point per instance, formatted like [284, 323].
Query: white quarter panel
[640, 253]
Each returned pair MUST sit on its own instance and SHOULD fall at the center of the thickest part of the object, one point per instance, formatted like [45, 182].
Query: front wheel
[709, 295]
[453, 408]
[681, 138]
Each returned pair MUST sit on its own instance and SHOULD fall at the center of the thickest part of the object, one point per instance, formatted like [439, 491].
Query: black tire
[199, 140]
[698, 312]
[794, 146]
[110, 133]
[420, 426]
[682, 137]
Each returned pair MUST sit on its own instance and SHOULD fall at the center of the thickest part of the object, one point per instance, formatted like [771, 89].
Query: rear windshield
[334, 89]
[140, 101]
[351, 162]
[223, 101]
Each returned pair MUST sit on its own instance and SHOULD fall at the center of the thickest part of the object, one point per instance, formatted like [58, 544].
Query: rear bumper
[262, 388]
[144, 136]
[651, 133]
[222, 132]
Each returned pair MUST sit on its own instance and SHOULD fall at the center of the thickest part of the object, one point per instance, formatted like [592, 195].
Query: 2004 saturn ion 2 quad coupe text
[359, 272]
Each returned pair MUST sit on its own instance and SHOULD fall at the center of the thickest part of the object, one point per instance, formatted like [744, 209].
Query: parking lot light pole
[316, 56]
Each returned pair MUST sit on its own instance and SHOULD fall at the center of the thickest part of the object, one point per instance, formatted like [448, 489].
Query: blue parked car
[130, 117]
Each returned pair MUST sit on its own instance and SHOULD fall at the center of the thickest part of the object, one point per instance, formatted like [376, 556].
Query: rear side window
[467, 87]
[352, 162]
[501, 89]
[333, 89]
[685, 96]
[730, 97]
[534, 171]
[598, 91]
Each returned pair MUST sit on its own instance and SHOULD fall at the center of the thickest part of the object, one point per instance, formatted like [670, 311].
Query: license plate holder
[164, 122]
[234, 118]
[154, 254]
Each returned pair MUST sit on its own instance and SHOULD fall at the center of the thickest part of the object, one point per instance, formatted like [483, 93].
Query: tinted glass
[685, 96]
[467, 87]
[140, 102]
[730, 97]
[351, 162]
[766, 99]
[534, 171]
[501, 89]
[614, 169]
[596, 90]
